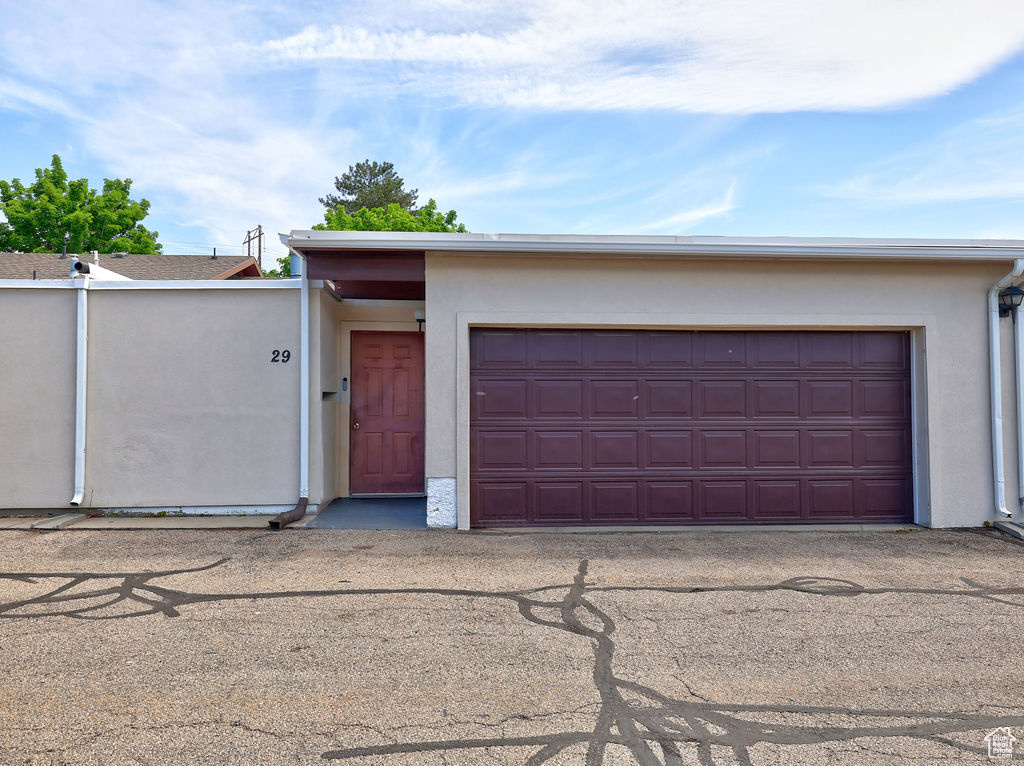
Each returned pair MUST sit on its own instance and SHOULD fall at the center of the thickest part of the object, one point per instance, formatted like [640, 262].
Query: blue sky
[736, 117]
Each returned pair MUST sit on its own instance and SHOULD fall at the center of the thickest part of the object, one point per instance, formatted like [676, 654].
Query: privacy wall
[193, 397]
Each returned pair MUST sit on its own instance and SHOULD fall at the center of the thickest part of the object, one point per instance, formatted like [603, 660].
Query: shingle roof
[53, 266]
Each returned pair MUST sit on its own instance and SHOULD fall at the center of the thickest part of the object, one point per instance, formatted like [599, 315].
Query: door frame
[375, 329]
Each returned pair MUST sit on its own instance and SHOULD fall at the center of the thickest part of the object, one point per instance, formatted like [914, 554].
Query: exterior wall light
[421, 316]
[1009, 301]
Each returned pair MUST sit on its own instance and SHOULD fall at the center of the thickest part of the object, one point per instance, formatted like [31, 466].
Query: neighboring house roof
[133, 266]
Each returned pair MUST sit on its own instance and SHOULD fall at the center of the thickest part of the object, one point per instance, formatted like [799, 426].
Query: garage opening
[578, 427]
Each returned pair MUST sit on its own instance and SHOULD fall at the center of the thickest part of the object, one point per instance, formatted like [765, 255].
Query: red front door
[386, 424]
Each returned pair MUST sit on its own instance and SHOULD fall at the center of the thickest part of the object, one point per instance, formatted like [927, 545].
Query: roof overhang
[317, 245]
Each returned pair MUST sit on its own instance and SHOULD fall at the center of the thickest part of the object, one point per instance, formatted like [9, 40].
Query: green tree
[370, 184]
[391, 218]
[54, 212]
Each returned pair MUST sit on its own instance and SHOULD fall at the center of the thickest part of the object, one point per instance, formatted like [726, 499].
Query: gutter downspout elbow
[995, 392]
[284, 519]
[81, 384]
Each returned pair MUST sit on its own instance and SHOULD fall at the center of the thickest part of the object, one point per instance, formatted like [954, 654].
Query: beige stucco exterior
[37, 397]
[942, 304]
[185, 408]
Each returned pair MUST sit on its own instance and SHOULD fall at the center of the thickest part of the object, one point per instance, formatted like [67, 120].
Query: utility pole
[254, 239]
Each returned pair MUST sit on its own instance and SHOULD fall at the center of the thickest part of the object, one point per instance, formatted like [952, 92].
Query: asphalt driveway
[398, 647]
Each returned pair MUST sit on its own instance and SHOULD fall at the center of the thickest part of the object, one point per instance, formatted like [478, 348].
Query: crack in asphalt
[652, 726]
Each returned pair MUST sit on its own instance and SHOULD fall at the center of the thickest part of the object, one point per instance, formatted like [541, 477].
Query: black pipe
[285, 518]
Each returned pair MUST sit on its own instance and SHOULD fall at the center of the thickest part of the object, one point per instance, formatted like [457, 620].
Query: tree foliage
[392, 218]
[370, 185]
[54, 212]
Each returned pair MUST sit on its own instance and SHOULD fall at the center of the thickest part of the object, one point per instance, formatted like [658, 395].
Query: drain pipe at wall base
[81, 377]
[995, 391]
[284, 519]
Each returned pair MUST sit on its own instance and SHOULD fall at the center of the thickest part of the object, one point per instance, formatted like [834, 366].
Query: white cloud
[679, 222]
[981, 159]
[728, 56]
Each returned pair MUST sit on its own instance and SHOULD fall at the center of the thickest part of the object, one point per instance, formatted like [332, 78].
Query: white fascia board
[196, 284]
[46, 284]
[782, 248]
[154, 284]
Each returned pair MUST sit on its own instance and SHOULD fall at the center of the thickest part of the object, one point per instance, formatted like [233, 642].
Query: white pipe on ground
[81, 380]
[995, 390]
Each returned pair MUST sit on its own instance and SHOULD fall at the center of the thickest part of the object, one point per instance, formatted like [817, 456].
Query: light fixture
[421, 316]
[1009, 301]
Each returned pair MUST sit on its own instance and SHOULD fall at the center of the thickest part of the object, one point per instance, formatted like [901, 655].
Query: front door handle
[355, 426]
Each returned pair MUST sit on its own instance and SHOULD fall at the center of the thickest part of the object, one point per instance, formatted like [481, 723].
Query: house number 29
[280, 355]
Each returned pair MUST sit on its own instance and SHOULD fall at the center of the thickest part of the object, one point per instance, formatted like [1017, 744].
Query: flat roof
[681, 246]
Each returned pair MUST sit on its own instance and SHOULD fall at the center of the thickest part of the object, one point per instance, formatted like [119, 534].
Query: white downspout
[304, 386]
[995, 389]
[1018, 350]
[81, 380]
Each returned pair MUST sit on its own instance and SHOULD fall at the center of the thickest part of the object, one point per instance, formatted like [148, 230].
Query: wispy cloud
[981, 159]
[729, 56]
[687, 219]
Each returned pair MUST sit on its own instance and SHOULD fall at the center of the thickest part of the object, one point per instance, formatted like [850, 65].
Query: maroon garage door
[646, 427]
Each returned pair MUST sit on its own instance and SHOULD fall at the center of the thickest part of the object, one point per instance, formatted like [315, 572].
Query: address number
[280, 355]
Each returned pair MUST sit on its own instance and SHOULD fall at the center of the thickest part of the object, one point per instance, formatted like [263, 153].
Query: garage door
[575, 427]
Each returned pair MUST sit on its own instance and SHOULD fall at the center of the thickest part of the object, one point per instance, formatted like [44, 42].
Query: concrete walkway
[81, 521]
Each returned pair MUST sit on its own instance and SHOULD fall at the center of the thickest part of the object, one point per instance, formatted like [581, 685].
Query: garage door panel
[500, 502]
[830, 499]
[723, 350]
[667, 350]
[503, 349]
[884, 399]
[668, 501]
[829, 399]
[775, 350]
[558, 398]
[614, 399]
[777, 449]
[560, 502]
[668, 449]
[615, 501]
[667, 399]
[557, 349]
[615, 449]
[775, 399]
[558, 450]
[723, 449]
[777, 500]
[722, 399]
[884, 351]
[723, 500]
[833, 350]
[616, 426]
[500, 398]
[613, 350]
[500, 449]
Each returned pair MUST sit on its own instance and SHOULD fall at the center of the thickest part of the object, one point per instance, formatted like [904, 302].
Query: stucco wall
[944, 304]
[185, 405]
[37, 397]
